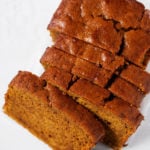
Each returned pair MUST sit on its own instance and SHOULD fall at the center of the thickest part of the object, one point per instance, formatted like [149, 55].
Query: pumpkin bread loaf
[94, 79]
[53, 117]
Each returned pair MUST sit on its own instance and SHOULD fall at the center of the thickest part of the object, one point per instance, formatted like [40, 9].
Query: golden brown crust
[80, 87]
[97, 21]
[83, 11]
[83, 68]
[104, 26]
[99, 76]
[137, 44]
[126, 91]
[57, 77]
[145, 23]
[24, 79]
[128, 113]
[138, 77]
[31, 84]
[91, 72]
[76, 66]
[127, 12]
[93, 93]
[86, 31]
[89, 52]
[57, 58]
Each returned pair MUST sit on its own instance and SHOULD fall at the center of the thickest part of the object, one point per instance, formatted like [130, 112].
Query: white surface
[23, 39]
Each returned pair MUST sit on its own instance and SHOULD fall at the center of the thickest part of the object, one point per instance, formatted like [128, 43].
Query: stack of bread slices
[94, 79]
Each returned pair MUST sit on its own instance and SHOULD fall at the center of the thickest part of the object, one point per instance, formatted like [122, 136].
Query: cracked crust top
[95, 30]
[98, 22]
[136, 48]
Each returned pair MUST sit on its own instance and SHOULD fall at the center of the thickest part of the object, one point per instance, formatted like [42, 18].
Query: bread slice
[79, 67]
[88, 32]
[120, 118]
[97, 75]
[88, 52]
[145, 24]
[82, 67]
[91, 72]
[57, 58]
[53, 117]
[137, 76]
[127, 92]
[136, 47]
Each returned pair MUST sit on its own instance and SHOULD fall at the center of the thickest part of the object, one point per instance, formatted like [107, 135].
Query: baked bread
[137, 76]
[128, 92]
[104, 78]
[55, 57]
[120, 119]
[145, 24]
[99, 23]
[53, 117]
[108, 61]
[136, 49]
[79, 67]
[88, 52]
[98, 59]
[109, 48]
